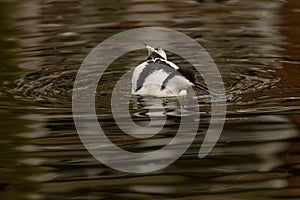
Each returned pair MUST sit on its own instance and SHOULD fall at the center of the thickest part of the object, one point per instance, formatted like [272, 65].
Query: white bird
[159, 77]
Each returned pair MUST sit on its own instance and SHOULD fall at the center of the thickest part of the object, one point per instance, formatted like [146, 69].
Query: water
[256, 47]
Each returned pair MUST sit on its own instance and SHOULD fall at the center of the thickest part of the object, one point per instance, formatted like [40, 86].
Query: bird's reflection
[172, 106]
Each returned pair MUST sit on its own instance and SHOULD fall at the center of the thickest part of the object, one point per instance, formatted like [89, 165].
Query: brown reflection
[290, 85]
[290, 72]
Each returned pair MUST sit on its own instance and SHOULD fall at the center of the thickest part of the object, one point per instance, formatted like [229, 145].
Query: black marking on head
[188, 74]
[150, 68]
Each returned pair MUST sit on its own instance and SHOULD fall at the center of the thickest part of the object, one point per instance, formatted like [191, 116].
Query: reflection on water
[254, 43]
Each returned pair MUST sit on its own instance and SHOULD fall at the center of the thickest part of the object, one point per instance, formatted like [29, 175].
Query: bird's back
[148, 77]
[159, 77]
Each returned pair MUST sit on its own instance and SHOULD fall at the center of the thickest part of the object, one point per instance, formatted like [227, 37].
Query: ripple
[46, 87]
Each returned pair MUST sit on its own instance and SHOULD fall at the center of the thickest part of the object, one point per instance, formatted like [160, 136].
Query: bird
[159, 77]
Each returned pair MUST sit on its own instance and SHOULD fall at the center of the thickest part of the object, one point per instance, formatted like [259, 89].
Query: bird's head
[190, 76]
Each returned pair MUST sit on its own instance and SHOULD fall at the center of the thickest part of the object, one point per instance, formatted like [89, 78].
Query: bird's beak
[201, 87]
[205, 89]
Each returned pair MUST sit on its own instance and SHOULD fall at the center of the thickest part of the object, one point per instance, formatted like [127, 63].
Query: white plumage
[159, 77]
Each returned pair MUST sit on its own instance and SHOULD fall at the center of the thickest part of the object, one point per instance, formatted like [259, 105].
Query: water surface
[256, 47]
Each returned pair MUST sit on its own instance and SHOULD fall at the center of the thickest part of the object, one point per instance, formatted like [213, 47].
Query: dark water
[256, 46]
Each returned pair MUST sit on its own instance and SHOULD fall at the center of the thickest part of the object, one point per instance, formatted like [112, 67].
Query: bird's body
[159, 77]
